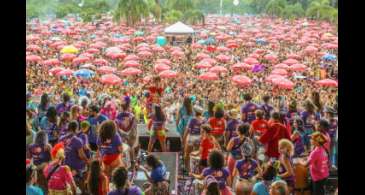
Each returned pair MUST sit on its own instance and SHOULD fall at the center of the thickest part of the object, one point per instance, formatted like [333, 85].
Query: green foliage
[133, 11]
[275, 7]
[194, 17]
[321, 9]
[180, 5]
[173, 16]
[293, 11]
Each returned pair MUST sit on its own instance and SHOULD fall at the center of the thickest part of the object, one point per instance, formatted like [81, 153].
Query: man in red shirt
[155, 92]
[259, 126]
[273, 135]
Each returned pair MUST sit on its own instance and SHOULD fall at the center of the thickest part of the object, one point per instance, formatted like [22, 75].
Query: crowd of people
[246, 139]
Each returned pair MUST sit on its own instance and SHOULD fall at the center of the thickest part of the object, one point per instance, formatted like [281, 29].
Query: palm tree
[320, 9]
[275, 7]
[181, 5]
[133, 11]
[194, 16]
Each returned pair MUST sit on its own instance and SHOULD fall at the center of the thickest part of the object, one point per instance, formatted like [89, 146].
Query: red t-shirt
[260, 125]
[154, 91]
[207, 145]
[218, 125]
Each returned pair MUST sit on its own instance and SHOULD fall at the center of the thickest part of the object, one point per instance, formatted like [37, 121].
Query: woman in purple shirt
[286, 169]
[309, 116]
[49, 124]
[109, 146]
[63, 124]
[248, 110]
[192, 134]
[157, 123]
[232, 124]
[122, 185]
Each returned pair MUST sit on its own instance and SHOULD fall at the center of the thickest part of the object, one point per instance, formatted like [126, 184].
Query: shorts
[109, 159]
[160, 135]
[193, 139]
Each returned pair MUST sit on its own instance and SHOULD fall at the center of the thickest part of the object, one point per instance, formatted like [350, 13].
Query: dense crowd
[251, 138]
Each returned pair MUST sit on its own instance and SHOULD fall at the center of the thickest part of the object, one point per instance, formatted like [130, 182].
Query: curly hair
[107, 130]
[119, 177]
[287, 144]
[216, 160]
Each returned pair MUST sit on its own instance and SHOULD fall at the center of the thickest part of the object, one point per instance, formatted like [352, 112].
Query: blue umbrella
[202, 42]
[329, 57]
[84, 73]
[261, 41]
[210, 40]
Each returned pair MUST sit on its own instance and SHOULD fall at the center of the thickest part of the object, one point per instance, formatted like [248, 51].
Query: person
[279, 188]
[268, 176]
[210, 186]
[158, 180]
[30, 134]
[286, 170]
[192, 135]
[232, 124]
[63, 123]
[65, 105]
[332, 131]
[58, 175]
[246, 169]
[323, 126]
[297, 136]
[49, 125]
[207, 144]
[95, 119]
[155, 92]
[127, 123]
[248, 109]
[318, 162]
[157, 124]
[218, 124]
[109, 146]
[309, 116]
[259, 126]
[82, 134]
[43, 107]
[271, 137]
[210, 111]
[31, 179]
[234, 145]
[97, 181]
[184, 114]
[266, 107]
[122, 185]
[218, 171]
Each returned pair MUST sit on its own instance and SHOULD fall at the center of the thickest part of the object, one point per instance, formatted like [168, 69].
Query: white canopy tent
[179, 28]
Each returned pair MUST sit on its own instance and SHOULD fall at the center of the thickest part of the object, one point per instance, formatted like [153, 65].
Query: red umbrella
[163, 61]
[232, 45]
[110, 79]
[79, 60]
[211, 48]
[283, 83]
[65, 72]
[241, 80]
[223, 58]
[222, 49]
[290, 61]
[203, 65]
[92, 51]
[131, 63]
[51, 62]
[279, 72]
[138, 39]
[106, 69]
[168, 74]
[145, 54]
[208, 76]
[116, 55]
[281, 66]
[68, 57]
[251, 61]
[100, 62]
[130, 71]
[161, 67]
[33, 58]
[131, 57]
[327, 83]
[218, 69]
[201, 56]
[298, 67]
[55, 70]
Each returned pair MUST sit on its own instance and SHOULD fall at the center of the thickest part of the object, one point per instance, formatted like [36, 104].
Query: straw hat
[232, 113]
[319, 137]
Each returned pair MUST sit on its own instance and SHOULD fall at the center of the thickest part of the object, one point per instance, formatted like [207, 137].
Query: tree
[194, 16]
[180, 5]
[275, 7]
[133, 11]
[293, 11]
[321, 9]
[173, 16]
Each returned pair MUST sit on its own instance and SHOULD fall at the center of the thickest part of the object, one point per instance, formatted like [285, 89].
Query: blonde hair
[287, 144]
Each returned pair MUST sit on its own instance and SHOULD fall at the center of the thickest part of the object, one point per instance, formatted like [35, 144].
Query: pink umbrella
[92, 51]
[281, 66]
[196, 46]
[147, 79]
[55, 70]
[65, 72]
[251, 61]
[131, 71]
[279, 72]
[290, 61]
[208, 76]
[100, 62]
[161, 67]
[176, 53]
[131, 57]
[138, 39]
[209, 60]
[110, 79]
[203, 65]
[145, 54]
[218, 69]
[223, 58]
[163, 61]
[283, 83]
[310, 49]
[294, 56]
[298, 67]
[106, 69]
[116, 55]
[241, 80]
[168, 74]
[33, 58]
[327, 83]
[232, 45]
[68, 57]
[33, 48]
[254, 55]
[79, 60]
[87, 55]
[271, 77]
[201, 56]
[131, 63]
[90, 66]
[222, 49]
[50, 62]
[158, 49]
[271, 57]
[240, 65]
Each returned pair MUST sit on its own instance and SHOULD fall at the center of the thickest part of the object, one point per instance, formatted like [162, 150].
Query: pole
[221, 6]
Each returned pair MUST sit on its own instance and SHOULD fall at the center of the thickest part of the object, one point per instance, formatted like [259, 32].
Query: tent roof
[179, 28]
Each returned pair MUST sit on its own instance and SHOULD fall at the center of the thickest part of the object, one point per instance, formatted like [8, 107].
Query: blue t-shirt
[133, 190]
[33, 190]
[261, 189]
[94, 121]
[158, 174]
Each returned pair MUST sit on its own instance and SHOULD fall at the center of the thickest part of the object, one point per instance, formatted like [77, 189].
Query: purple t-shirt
[220, 175]
[333, 128]
[267, 110]
[109, 146]
[309, 119]
[246, 168]
[124, 121]
[133, 190]
[236, 149]
[194, 126]
[157, 124]
[72, 146]
[249, 109]
[39, 154]
[62, 107]
[85, 142]
[232, 125]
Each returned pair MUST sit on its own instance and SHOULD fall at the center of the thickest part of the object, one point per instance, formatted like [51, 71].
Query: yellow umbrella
[69, 49]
